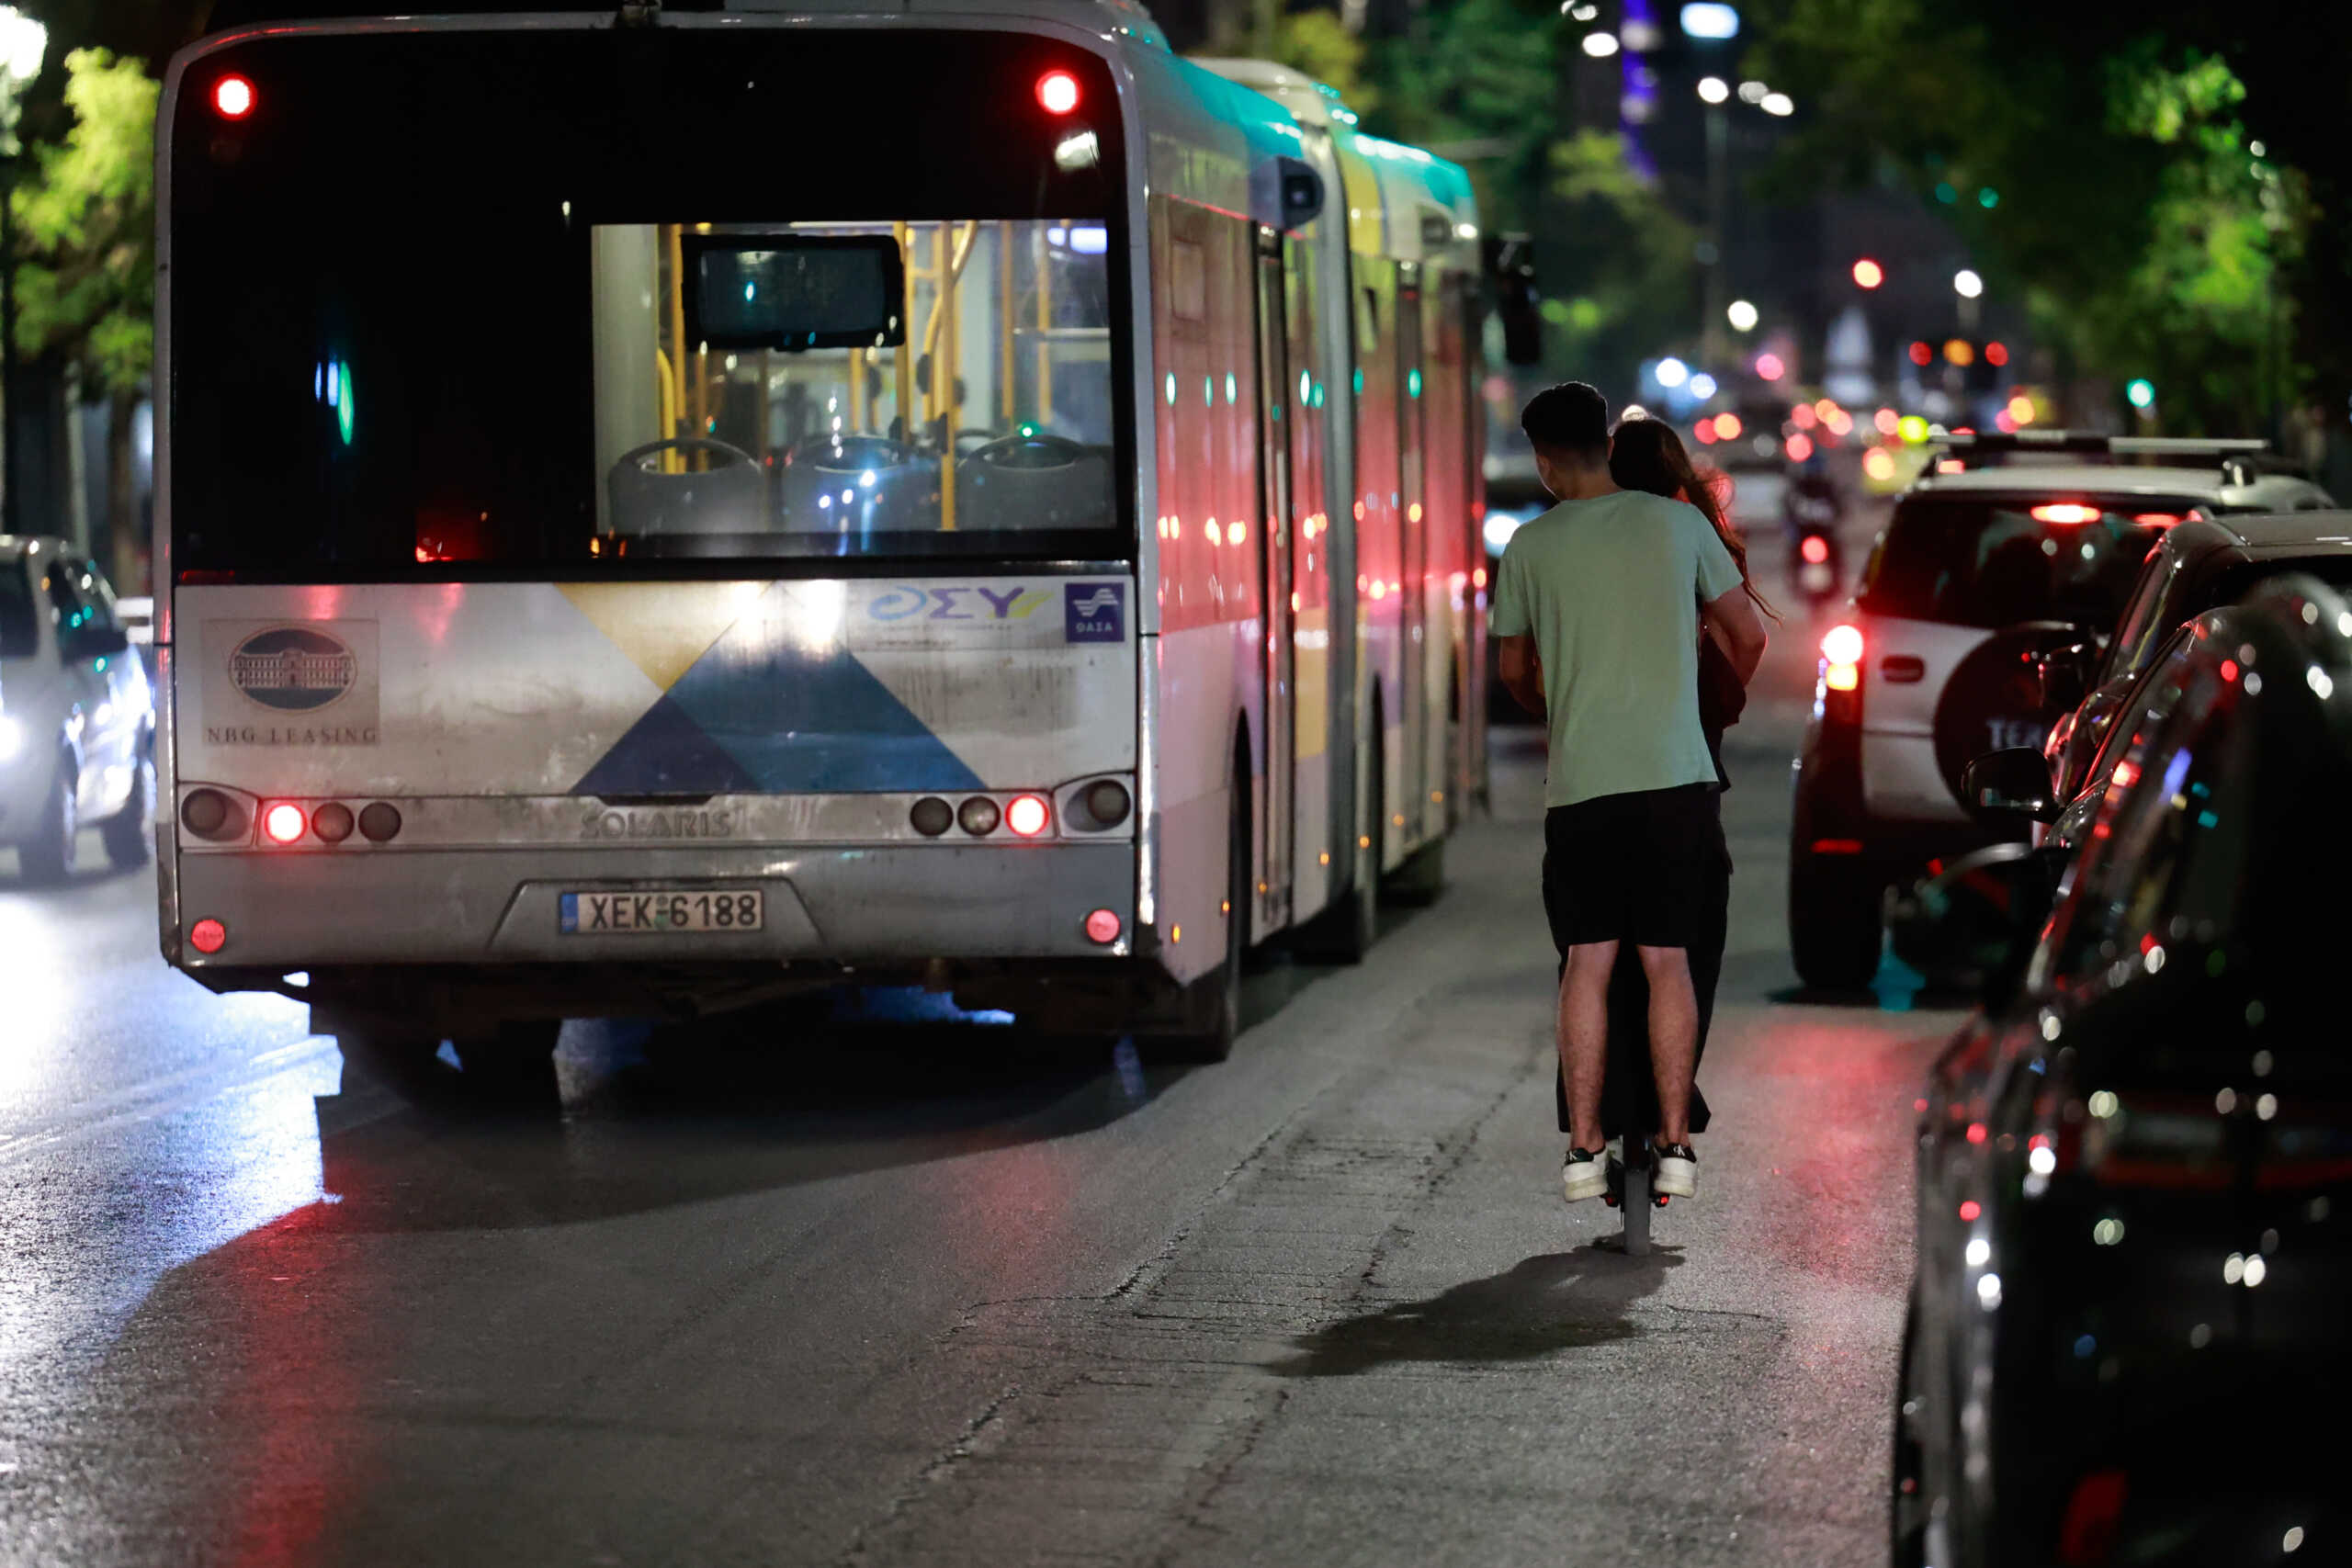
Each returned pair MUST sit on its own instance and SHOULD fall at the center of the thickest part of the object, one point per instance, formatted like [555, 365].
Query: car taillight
[1025, 815]
[2155, 519]
[1841, 659]
[284, 822]
[2065, 512]
[1057, 92]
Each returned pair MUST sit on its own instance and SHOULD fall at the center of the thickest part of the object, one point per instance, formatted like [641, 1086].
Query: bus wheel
[1344, 932]
[516, 1060]
[1422, 876]
[1210, 1008]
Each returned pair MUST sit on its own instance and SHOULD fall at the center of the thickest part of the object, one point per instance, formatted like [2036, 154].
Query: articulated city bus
[663, 510]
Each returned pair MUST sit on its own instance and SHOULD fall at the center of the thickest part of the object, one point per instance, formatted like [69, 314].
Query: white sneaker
[1674, 1170]
[1584, 1174]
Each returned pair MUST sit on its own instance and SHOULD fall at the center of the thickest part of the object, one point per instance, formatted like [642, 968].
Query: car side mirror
[1975, 924]
[94, 642]
[2012, 782]
[1511, 265]
[2065, 674]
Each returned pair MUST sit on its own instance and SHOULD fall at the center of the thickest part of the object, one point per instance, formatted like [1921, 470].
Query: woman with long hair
[1646, 455]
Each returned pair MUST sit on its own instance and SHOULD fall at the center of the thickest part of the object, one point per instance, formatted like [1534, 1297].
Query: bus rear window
[437, 303]
[1995, 562]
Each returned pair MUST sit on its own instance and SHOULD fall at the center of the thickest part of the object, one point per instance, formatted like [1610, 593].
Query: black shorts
[1630, 867]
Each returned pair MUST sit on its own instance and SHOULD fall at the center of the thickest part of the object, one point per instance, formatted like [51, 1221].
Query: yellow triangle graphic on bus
[663, 627]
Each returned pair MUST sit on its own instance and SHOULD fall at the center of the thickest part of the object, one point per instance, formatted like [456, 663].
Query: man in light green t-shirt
[1600, 604]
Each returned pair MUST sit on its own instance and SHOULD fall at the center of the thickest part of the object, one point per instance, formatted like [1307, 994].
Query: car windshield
[530, 301]
[19, 633]
[1994, 562]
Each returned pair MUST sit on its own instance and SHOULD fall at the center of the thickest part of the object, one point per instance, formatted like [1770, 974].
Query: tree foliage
[85, 228]
[2131, 209]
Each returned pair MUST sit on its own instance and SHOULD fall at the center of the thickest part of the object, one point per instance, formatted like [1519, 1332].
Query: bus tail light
[932, 817]
[284, 822]
[380, 822]
[1026, 815]
[978, 815]
[1103, 926]
[233, 97]
[1107, 802]
[1057, 92]
[209, 814]
[208, 936]
[332, 822]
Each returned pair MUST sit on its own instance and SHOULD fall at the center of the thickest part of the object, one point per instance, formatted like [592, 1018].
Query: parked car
[77, 716]
[2134, 1162]
[2202, 562]
[1979, 576]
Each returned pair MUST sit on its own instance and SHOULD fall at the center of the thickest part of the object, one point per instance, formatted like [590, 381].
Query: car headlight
[12, 736]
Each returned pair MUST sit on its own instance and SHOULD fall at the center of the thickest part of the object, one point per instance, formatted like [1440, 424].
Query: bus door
[1275, 555]
[1413, 536]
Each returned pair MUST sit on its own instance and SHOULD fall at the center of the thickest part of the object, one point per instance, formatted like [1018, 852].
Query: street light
[1778, 103]
[1709, 19]
[1714, 89]
[1600, 46]
[1742, 316]
[1966, 284]
[23, 41]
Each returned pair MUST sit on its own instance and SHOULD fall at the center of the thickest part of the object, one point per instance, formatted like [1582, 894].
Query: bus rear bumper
[887, 905]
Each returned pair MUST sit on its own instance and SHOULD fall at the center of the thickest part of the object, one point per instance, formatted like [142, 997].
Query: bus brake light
[1025, 815]
[232, 97]
[284, 822]
[1057, 92]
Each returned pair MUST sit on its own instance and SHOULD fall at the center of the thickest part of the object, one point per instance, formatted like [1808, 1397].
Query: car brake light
[1815, 549]
[1841, 659]
[1057, 92]
[232, 97]
[2065, 512]
[2156, 519]
[1025, 815]
[284, 822]
[208, 936]
[2086, 1534]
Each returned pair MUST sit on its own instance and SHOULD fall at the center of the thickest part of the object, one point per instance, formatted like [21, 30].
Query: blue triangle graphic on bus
[799, 720]
[666, 752]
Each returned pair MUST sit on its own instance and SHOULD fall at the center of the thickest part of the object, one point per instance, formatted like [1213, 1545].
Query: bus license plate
[663, 911]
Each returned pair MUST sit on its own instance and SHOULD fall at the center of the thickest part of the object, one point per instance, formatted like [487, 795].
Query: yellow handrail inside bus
[665, 403]
[1045, 326]
[906, 367]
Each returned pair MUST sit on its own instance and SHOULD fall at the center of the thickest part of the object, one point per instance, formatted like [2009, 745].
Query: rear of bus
[605, 565]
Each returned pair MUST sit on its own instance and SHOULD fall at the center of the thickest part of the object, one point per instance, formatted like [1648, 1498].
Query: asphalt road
[907, 1287]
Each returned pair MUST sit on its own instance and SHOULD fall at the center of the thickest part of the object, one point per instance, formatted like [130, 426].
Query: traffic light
[2142, 394]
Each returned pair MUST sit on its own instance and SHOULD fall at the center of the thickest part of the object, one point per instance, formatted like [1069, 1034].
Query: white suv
[2010, 549]
[77, 717]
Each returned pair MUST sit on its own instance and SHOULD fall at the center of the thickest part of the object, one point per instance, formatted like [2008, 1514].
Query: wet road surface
[902, 1287]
